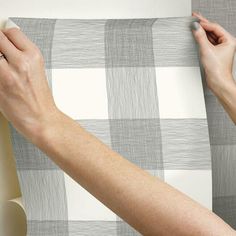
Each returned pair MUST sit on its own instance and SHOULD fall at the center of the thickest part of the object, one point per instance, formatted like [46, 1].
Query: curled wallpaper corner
[11, 24]
[13, 220]
[12, 213]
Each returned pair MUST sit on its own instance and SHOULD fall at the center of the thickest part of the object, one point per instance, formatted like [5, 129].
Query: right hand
[217, 48]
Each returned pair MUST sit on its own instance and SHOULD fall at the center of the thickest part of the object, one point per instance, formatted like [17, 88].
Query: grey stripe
[92, 228]
[222, 12]
[124, 229]
[99, 128]
[221, 127]
[40, 31]
[27, 155]
[44, 194]
[85, 228]
[30, 157]
[128, 43]
[78, 44]
[173, 42]
[131, 93]
[225, 207]
[132, 97]
[138, 140]
[224, 166]
[185, 144]
[48, 228]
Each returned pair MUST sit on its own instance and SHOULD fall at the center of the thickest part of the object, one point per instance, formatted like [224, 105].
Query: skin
[148, 204]
[217, 48]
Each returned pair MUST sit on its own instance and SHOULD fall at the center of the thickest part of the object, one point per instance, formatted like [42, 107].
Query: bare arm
[145, 202]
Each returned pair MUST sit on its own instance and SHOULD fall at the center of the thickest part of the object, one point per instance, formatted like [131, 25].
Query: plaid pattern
[222, 130]
[136, 85]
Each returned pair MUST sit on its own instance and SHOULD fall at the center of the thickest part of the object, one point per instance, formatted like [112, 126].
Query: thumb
[200, 35]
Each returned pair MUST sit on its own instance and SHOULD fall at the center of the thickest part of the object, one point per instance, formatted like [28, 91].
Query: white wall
[93, 8]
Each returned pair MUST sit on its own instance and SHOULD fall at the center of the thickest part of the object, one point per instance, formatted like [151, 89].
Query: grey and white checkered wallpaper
[141, 82]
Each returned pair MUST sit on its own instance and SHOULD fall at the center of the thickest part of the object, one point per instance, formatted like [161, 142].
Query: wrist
[226, 93]
[41, 132]
[223, 86]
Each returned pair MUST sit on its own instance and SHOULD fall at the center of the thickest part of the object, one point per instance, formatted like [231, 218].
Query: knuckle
[35, 54]
[37, 57]
[23, 65]
[11, 31]
[216, 25]
[8, 81]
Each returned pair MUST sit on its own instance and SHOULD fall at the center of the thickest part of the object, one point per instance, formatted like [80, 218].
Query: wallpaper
[136, 85]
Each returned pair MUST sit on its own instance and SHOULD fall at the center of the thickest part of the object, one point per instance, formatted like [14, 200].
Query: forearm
[226, 94]
[144, 201]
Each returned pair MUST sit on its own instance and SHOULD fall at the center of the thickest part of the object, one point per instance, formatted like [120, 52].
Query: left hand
[25, 97]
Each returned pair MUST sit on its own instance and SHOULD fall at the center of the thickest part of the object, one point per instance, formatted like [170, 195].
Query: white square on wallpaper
[180, 92]
[83, 206]
[81, 93]
[197, 184]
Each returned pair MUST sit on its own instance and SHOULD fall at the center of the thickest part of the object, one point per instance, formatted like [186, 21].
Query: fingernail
[195, 26]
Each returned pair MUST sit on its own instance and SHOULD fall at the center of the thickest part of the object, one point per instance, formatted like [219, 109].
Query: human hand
[217, 48]
[25, 97]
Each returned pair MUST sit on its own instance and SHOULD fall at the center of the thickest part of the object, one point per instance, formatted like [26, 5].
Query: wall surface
[94, 8]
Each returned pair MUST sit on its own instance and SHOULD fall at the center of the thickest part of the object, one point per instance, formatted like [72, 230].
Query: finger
[3, 63]
[7, 48]
[200, 17]
[200, 35]
[212, 40]
[203, 19]
[215, 29]
[4, 68]
[18, 38]
[213, 36]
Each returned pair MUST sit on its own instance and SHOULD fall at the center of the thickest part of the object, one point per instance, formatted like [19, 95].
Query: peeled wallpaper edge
[10, 24]
[12, 213]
